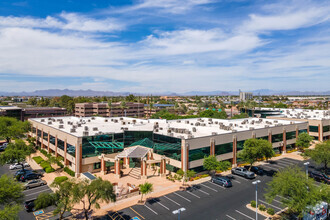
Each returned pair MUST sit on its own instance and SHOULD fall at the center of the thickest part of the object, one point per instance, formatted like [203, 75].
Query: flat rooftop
[301, 113]
[183, 129]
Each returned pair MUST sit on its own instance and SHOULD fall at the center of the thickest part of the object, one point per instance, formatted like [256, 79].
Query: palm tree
[122, 107]
[145, 188]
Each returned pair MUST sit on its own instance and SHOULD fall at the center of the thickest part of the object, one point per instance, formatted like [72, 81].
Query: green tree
[63, 197]
[266, 149]
[321, 154]
[145, 188]
[11, 128]
[11, 196]
[224, 165]
[32, 101]
[16, 152]
[210, 163]
[186, 175]
[241, 115]
[296, 190]
[44, 200]
[130, 98]
[303, 140]
[89, 194]
[251, 151]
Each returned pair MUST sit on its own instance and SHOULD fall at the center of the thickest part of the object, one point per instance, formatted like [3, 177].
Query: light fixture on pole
[256, 183]
[178, 211]
[306, 164]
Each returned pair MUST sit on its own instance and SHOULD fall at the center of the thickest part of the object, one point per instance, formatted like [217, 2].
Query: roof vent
[49, 123]
[72, 130]
[95, 128]
[86, 128]
[42, 120]
[61, 126]
[85, 133]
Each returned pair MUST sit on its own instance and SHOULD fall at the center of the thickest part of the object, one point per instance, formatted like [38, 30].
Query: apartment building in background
[130, 109]
[244, 96]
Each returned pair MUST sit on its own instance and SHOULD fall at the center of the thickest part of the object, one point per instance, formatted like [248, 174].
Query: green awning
[146, 142]
[112, 145]
[167, 146]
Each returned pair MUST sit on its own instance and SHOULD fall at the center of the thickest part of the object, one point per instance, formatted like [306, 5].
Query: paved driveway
[208, 200]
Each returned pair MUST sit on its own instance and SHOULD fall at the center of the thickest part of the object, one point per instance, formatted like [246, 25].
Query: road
[208, 200]
[29, 194]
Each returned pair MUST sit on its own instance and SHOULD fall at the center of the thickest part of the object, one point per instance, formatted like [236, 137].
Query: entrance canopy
[134, 152]
[112, 145]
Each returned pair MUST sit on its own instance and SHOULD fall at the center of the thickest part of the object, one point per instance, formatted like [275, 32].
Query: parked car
[270, 172]
[30, 176]
[241, 171]
[3, 147]
[257, 170]
[34, 183]
[318, 176]
[222, 180]
[19, 173]
[29, 206]
[18, 166]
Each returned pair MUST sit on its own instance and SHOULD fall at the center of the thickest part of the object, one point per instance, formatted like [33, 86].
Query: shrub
[44, 200]
[60, 179]
[49, 169]
[59, 164]
[68, 171]
[43, 152]
[270, 211]
[45, 164]
[253, 203]
[38, 159]
[261, 207]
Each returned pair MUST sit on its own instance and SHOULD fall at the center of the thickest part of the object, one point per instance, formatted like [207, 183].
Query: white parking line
[240, 177]
[26, 190]
[172, 200]
[182, 197]
[38, 192]
[270, 204]
[217, 185]
[286, 162]
[277, 201]
[282, 197]
[151, 209]
[231, 217]
[193, 194]
[161, 204]
[290, 161]
[203, 191]
[244, 215]
[269, 166]
[236, 181]
[280, 166]
[209, 187]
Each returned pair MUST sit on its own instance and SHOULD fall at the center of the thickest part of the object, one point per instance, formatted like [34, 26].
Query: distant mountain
[58, 92]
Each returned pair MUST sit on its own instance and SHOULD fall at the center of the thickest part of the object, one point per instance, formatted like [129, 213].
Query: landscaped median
[262, 209]
[44, 164]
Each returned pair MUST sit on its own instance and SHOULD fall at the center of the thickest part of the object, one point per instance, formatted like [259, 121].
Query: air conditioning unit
[61, 126]
[95, 128]
[72, 130]
[49, 123]
[42, 120]
[85, 133]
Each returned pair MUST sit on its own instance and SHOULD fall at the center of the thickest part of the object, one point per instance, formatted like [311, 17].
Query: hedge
[38, 159]
[262, 207]
[60, 179]
[270, 211]
[68, 171]
[45, 164]
[253, 203]
[49, 169]
[59, 164]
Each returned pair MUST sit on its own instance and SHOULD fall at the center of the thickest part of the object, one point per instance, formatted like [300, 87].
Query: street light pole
[306, 164]
[256, 183]
[178, 211]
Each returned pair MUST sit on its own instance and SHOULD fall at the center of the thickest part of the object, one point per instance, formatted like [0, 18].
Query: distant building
[244, 96]
[36, 112]
[131, 109]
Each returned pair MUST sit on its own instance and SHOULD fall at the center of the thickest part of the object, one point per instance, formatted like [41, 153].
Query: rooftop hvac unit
[168, 130]
[95, 129]
[42, 120]
[214, 133]
[194, 129]
[178, 121]
[72, 130]
[49, 118]
[111, 119]
[156, 130]
[187, 122]
[210, 119]
[160, 128]
[105, 120]
[275, 121]
[125, 129]
[171, 134]
[234, 130]
[190, 136]
[123, 123]
[61, 126]
[251, 128]
[58, 119]
[79, 125]
[121, 119]
[49, 123]
[85, 133]
[116, 121]
[61, 122]
[86, 128]
[291, 122]
[93, 118]
[266, 126]
[89, 120]
[68, 122]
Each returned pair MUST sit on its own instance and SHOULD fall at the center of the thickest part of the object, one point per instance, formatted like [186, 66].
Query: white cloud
[65, 21]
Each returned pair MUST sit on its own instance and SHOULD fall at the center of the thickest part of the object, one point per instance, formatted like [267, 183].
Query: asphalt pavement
[209, 200]
[29, 194]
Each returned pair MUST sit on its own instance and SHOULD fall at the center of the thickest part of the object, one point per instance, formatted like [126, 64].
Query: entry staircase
[135, 173]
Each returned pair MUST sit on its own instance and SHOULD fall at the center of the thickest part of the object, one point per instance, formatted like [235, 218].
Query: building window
[70, 149]
[240, 145]
[45, 136]
[97, 165]
[302, 131]
[223, 148]
[34, 130]
[263, 138]
[313, 129]
[290, 135]
[277, 138]
[39, 133]
[60, 144]
[199, 153]
[52, 139]
[326, 128]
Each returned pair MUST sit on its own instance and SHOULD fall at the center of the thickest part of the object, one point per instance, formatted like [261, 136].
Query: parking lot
[209, 200]
[29, 194]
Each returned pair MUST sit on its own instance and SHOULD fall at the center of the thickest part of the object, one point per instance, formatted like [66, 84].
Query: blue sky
[164, 45]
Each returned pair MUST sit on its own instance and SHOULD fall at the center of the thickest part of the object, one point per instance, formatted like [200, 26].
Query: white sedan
[18, 166]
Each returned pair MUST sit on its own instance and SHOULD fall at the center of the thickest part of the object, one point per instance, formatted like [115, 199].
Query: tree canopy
[90, 194]
[321, 154]
[256, 149]
[304, 140]
[11, 128]
[16, 152]
[11, 196]
[210, 163]
[296, 190]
